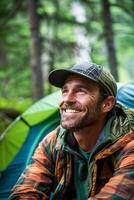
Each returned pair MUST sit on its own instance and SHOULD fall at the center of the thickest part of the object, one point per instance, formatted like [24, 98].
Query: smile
[71, 111]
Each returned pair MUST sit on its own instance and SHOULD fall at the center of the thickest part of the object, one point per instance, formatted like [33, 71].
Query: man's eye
[81, 91]
[64, 91]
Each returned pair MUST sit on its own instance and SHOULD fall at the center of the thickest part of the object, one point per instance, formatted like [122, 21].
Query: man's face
[80, 105]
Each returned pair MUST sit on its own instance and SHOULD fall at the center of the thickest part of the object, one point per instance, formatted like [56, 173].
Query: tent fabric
[42, 109]
[23, 157]
[13, 140]
[15, 135]
[125, 95]
[19, 140]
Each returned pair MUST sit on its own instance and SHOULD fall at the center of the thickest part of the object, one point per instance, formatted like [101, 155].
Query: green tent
[20, 139]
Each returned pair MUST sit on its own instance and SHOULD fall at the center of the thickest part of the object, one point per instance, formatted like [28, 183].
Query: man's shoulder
[53, 141]
[53, 135]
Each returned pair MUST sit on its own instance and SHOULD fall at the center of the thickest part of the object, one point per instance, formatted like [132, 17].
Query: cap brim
[58, 77]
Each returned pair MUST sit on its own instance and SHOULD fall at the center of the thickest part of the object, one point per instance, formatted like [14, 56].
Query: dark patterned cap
[90, 71]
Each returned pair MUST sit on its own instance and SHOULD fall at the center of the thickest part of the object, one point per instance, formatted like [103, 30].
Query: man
[91, 155]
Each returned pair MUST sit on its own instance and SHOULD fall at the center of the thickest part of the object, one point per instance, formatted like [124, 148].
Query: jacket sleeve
[121, 185]
[37, 180]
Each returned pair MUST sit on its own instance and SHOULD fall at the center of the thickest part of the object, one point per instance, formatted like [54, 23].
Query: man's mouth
[71, 111]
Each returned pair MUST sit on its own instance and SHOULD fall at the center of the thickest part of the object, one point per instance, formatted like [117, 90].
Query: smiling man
[90, 155]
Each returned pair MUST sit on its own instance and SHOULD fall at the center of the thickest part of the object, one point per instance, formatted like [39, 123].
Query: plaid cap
[87, 70]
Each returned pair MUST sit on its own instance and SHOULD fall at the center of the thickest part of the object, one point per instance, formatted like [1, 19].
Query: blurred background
[37, 36]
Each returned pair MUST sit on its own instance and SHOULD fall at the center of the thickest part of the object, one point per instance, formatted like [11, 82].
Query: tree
[36, 50]
[109, 37]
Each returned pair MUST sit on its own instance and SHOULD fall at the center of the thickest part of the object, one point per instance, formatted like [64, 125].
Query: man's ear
[108, 104]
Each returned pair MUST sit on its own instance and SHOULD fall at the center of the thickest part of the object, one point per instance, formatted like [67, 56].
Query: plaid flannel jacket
[112, 172]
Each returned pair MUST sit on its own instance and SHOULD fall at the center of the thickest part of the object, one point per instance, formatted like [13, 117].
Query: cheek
[61, 102]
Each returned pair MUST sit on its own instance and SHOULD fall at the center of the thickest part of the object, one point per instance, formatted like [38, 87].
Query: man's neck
[87, 137]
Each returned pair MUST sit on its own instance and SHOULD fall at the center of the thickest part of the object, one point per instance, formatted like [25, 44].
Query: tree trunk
[109, 36]
[36, 50]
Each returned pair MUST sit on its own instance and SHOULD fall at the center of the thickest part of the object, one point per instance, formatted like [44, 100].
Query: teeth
[71, 111]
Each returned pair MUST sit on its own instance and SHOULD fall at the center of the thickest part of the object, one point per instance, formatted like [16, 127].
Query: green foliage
[59, 41]
[10, 109]
[20, 104]
[14, 55]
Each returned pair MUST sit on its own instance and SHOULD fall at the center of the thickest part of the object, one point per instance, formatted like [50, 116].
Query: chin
[65, 125]
[70, 127]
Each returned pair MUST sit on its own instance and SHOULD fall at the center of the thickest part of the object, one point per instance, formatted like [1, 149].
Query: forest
[37, 36]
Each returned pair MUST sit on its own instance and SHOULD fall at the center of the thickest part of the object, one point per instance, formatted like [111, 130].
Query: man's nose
[69, 97]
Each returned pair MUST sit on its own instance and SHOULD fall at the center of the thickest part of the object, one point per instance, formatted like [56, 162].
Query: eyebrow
[77, 86]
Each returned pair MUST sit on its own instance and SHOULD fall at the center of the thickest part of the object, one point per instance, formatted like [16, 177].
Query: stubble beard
[87, 120]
